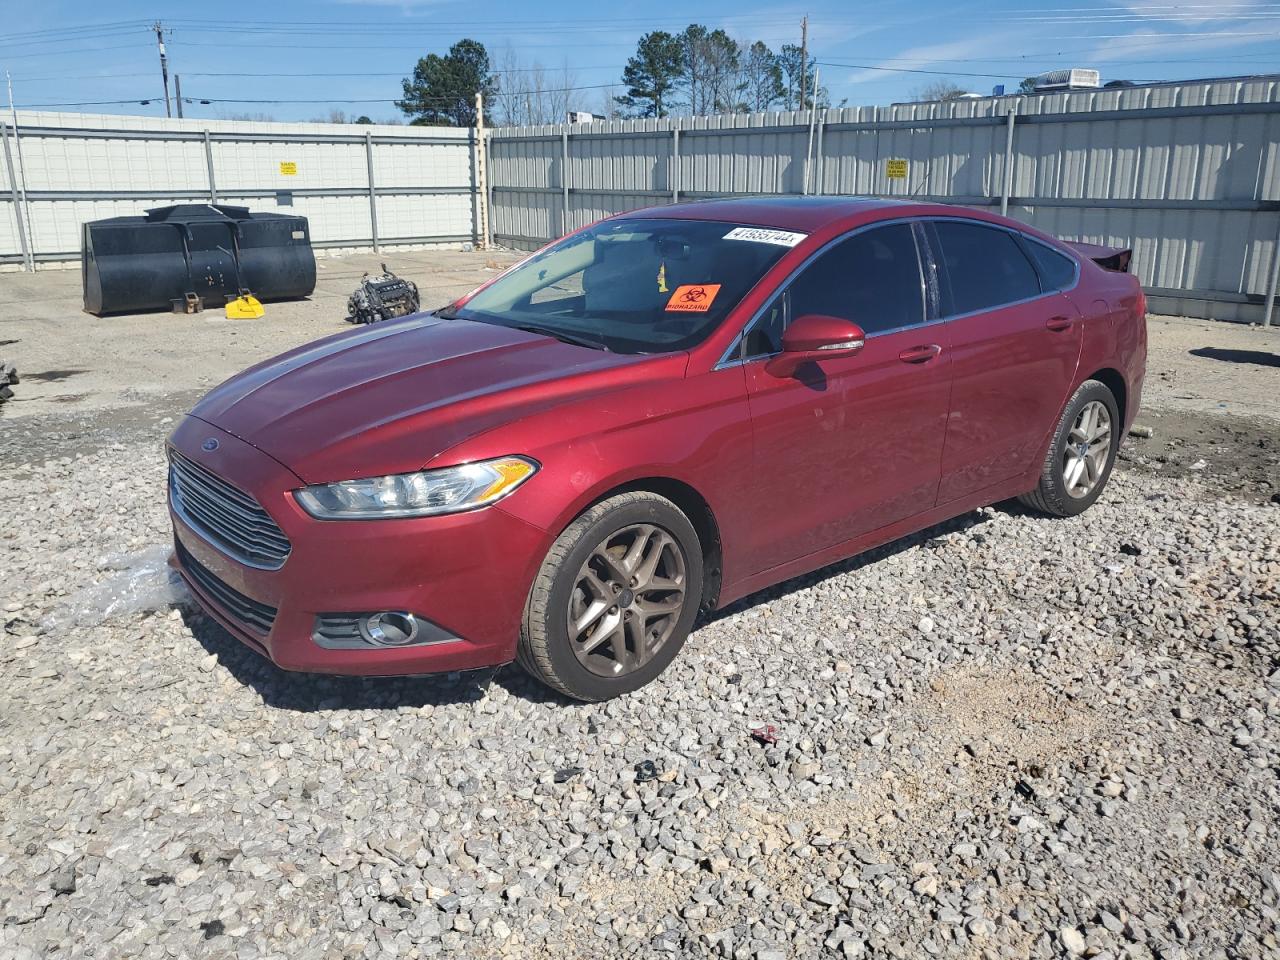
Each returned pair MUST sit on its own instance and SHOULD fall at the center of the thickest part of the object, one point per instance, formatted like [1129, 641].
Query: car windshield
[633, 286]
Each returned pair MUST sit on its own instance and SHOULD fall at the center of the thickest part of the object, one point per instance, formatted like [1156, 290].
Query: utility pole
[22, 210]
[22, 176]
[483, 234]
[177, 94]
[804, 57]
[164, 65]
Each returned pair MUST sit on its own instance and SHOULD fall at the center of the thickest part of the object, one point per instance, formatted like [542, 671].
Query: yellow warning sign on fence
[289, 168]
[895, 169]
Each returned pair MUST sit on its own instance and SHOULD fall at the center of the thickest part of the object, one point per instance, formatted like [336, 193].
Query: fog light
[389, 629]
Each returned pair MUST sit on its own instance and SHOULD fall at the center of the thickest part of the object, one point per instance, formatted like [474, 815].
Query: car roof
[807, 214]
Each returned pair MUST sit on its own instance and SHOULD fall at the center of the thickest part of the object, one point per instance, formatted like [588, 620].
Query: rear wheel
[1081, 455]
[615, 599]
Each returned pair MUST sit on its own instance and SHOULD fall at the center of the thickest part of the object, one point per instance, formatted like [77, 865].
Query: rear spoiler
[1109, 258]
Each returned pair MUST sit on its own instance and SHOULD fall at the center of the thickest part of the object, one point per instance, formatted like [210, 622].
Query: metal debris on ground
[765, 733]
[8, 377]
[1142, 431]
[382, 298]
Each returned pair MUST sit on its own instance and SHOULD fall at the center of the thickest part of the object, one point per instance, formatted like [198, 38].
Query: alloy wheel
[627, 600]
[1087, 450]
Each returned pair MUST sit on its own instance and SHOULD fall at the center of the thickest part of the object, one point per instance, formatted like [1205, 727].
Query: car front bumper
[467, 575]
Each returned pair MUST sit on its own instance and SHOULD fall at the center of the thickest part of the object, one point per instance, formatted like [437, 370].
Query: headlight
[423, 494]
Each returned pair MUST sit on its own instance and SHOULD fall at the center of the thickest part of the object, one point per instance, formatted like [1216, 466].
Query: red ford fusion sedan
[646, 420]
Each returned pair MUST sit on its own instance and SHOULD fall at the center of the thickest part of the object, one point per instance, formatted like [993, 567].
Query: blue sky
[75, 51]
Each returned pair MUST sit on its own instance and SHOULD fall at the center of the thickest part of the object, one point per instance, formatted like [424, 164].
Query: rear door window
[985, 266]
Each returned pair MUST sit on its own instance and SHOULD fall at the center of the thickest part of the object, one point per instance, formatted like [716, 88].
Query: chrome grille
[225, 516]
[253, 615]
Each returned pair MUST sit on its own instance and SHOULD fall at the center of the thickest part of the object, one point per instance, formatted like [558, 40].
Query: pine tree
[651, 75]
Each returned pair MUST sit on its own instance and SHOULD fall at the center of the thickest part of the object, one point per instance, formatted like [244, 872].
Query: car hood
[389, 397]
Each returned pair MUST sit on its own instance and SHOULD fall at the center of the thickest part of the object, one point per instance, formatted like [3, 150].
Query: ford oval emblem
[211, 444]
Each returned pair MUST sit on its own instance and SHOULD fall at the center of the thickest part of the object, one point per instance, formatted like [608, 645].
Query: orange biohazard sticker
[693, 297]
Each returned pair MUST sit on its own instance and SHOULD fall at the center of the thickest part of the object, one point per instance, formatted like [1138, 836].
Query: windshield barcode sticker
[762, 235]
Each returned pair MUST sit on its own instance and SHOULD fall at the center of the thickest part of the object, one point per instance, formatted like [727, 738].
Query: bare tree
[608, 104]
[710, 70]
[561, 93]
[939, 90]
[253, 117]
[761, 79]
[529, 94]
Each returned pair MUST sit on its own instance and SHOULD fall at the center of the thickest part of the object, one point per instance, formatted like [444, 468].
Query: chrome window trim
[728, 361]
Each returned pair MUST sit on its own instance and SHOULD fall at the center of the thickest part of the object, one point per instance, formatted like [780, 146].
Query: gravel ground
[1009, 736]
[1006, 737]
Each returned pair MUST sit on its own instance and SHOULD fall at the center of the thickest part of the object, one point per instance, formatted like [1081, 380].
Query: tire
[1057, 494]
[581, 571]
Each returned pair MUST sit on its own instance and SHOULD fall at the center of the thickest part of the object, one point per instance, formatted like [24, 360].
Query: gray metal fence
[1188, 174]
[360, 186]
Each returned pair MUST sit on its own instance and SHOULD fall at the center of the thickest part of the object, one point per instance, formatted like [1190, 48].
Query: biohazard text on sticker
[782, 238]
[693, 297]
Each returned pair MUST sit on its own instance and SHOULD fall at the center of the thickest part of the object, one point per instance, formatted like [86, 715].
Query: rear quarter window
[1057, 271]
[985, 265]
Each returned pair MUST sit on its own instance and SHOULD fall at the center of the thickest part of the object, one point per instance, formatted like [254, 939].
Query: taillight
[1142, 303]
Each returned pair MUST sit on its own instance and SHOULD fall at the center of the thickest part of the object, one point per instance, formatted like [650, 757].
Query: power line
[832, 60]
[447, 100]
[292, 45]
[936, 73]
[86, 76]
[58, 40]
[400, 73]
[1059, 14]
[141, 101]
[1171, 13]
[46, 54]
[82, 28]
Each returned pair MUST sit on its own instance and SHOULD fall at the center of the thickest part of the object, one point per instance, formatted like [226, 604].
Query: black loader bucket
[189, 256]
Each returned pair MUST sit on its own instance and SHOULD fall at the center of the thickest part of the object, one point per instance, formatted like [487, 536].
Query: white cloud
[937, 57]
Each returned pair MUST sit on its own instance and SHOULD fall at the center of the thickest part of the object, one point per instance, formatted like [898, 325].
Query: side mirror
[815, 337]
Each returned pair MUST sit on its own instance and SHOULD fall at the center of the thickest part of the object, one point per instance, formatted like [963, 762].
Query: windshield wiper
[562, 336]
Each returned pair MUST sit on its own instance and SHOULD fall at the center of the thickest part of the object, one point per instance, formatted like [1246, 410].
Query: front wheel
[615, 599]
[1081, 455]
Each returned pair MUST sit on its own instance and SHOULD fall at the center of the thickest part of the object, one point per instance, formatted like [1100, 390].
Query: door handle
[921, 354]
[1059, 323]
